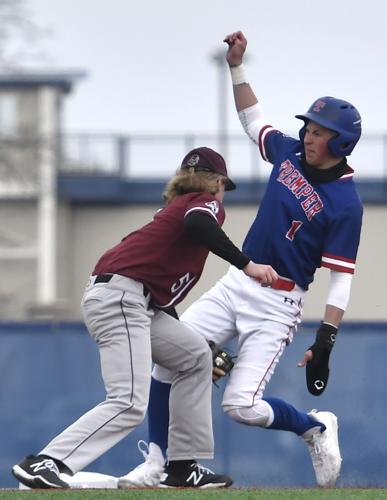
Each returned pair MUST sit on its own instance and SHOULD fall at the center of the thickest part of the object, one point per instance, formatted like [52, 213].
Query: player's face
[316, 140]
[221, 189]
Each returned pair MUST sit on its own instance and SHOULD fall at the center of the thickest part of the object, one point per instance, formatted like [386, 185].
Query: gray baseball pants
[129, 334]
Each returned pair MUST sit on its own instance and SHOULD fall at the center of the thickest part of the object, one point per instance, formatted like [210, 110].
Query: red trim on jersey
[348, 174]
[342, 264]
[336, 267]
[336, 257]
[261, 140]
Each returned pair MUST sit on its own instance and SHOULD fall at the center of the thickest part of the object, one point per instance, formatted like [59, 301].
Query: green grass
[190, 494]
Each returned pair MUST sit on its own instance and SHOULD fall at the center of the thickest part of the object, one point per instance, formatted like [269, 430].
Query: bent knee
[129, 407]
[259, 415]
[200, 359]
[205, 356]
[162, 374]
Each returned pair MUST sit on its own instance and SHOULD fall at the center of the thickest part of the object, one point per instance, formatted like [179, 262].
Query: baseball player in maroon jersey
[124, 307]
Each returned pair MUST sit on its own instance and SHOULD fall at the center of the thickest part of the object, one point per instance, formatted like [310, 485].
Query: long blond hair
[189, 180]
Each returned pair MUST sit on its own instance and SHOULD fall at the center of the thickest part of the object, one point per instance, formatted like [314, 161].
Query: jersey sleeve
[342, 241]
[274, 145]
[208, 232]
[207, 204]
[271, 142]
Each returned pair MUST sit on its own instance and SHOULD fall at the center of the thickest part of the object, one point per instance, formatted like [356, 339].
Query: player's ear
[221, 181]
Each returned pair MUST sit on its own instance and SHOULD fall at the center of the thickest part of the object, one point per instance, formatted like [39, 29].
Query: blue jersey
[300, 225]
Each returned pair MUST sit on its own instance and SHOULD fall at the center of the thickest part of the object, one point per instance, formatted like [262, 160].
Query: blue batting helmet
[337, 115]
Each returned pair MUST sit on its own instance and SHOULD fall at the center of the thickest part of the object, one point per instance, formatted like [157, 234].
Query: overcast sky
[149, 61]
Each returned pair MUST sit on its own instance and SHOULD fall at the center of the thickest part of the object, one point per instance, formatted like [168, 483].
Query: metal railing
[157, 155]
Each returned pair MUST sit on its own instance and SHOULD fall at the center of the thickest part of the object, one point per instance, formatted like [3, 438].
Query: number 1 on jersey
[296, 224]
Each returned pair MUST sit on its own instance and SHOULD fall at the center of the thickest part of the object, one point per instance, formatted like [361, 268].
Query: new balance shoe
[324, 449]
[196, 476]
[38, 472]
[148, 473]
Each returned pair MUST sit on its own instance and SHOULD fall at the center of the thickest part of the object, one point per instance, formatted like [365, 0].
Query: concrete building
[61, 209]
[31, 106]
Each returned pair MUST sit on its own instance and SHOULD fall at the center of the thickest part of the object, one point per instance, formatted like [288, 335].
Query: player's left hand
[316, 359]
[317, 370]
[307, 357]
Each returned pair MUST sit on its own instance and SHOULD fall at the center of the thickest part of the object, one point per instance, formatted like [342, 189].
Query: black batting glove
[317, 369]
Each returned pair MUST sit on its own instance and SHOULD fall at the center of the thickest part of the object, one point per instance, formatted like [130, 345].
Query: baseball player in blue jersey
[125, 307]
[310, 216]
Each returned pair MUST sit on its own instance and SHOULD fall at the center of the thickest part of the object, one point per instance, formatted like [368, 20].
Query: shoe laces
[316, 443]
[315, 439]
[201, 468]
[143, 448]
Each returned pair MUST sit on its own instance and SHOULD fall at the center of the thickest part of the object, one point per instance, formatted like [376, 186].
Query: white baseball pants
[262, 319]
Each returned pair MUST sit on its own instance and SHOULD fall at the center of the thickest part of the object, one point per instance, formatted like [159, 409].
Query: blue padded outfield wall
[50, 376]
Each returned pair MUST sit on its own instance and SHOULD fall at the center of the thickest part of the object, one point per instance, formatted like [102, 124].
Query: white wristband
[238, 74]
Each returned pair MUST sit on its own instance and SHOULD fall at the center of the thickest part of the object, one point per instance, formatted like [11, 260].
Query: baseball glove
[221, 361]
[317, 370]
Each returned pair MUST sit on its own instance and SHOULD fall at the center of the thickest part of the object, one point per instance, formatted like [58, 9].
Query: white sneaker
[148, 473]
[324, 449]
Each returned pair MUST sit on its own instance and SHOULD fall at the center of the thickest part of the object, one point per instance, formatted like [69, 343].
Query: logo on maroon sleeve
[213, 205]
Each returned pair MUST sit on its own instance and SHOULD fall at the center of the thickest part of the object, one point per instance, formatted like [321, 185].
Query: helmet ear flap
[339, 148]
[301, 133]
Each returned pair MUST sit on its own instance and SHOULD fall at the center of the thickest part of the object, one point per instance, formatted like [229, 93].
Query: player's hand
[264, 274]
[308, 356]
[237, 44]
[316, 359]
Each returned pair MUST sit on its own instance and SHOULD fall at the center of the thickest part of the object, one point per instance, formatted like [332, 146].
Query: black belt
[105, 278]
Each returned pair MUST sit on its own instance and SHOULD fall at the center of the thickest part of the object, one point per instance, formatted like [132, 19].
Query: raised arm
[243, 93]
[246, 103]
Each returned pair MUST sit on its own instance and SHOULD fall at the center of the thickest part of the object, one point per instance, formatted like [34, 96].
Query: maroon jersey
[160, 254]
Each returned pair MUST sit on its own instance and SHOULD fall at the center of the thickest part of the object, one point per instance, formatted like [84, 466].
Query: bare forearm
[333, 315]
[244, 96]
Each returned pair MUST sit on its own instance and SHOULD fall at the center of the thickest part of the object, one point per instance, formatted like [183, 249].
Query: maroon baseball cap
[207, 159]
